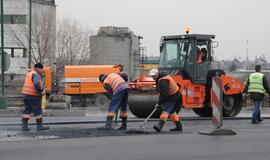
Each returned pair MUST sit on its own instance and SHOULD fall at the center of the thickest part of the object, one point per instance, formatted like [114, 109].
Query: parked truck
[81, 83]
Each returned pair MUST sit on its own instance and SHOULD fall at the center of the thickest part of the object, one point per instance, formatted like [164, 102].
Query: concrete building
[116, 45]
[16, 16]
[16, 20]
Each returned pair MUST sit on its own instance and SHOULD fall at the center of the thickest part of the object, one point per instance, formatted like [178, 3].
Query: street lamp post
[30, 35]
[2, 98]
[2, 46]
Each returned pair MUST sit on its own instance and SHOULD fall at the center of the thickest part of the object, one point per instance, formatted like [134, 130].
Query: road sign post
[7, 61]
[217, 114]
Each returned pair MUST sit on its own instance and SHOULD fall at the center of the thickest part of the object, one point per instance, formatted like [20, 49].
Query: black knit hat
[258, 68]
[102, 77]
[38, 65]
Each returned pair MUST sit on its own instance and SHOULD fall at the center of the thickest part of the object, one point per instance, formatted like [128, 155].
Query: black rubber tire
[203, 112]
[232, 105]
[101, 100]
[141, 105]
[206, 111]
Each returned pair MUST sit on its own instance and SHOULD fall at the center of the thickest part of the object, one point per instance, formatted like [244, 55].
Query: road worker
[117, 89]
[256, 85]
[32, 92]
[204, 54]
[169, 100]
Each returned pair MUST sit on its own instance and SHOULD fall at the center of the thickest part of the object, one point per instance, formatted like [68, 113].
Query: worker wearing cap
[32, 92]
[169, 100]
[117, 89]
[257, 85]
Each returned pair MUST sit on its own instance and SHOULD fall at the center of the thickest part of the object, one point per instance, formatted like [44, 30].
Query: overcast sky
[232, 21]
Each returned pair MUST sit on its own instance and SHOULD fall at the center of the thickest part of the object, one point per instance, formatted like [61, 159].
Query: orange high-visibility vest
[29, 87]
[114, 80]
[173, 87]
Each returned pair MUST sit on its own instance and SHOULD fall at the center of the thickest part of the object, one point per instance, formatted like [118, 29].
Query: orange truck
[82, 84]
[48, 79]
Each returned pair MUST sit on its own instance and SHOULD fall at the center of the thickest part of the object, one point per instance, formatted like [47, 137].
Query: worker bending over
[169, 100]
[117, 89]
[32, 92]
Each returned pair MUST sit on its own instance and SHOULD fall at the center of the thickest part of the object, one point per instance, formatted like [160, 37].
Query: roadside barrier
[216, 102]
[217, 114]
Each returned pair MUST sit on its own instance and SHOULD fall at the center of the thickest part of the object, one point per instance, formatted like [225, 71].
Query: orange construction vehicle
[82, 84]
[188, 58]
[48, 80]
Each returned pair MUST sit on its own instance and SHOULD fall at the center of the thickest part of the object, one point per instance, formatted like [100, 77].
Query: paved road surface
[83, 142]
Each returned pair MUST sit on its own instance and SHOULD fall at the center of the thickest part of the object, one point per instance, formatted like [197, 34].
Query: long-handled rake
[141, 128]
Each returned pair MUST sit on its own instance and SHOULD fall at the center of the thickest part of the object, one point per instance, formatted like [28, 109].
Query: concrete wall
[116, 45]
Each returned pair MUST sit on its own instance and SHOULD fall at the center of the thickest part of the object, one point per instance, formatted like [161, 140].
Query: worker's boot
[259, 118]
[178, 127]
[108, 124]
[40, 126]
[25, 125]
[159, 126]
[124, 124]
[254, 121]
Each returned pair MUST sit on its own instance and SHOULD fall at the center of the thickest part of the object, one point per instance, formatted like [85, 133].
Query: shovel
[141, 128]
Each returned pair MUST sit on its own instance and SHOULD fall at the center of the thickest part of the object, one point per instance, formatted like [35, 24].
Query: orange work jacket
[29, 87]
[114, 80]
[173, 87]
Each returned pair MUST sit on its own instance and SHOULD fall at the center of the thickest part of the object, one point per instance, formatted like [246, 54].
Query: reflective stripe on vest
[114, 80]
[256, 83]
[173, 87]
[29, 87]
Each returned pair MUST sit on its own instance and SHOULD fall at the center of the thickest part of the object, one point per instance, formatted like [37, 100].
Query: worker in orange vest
[32, 92]
[117, 89]
[169, 100]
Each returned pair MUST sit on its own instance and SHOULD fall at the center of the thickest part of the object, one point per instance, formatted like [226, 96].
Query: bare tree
[67, 43]
[43, 37]
[72, 44]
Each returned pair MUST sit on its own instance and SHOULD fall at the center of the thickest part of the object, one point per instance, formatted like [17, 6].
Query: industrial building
[116, 45]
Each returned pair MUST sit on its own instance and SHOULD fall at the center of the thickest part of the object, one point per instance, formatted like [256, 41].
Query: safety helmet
[153, 72]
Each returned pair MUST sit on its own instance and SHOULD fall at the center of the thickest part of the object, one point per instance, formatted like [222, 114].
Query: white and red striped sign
[216, 102]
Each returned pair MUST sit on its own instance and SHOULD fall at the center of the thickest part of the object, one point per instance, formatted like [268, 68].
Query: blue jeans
[256, 109]
[119, 100]
[32, 106]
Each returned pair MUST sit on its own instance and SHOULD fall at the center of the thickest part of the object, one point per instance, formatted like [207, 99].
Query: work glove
[157, 106]
[245, 94]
